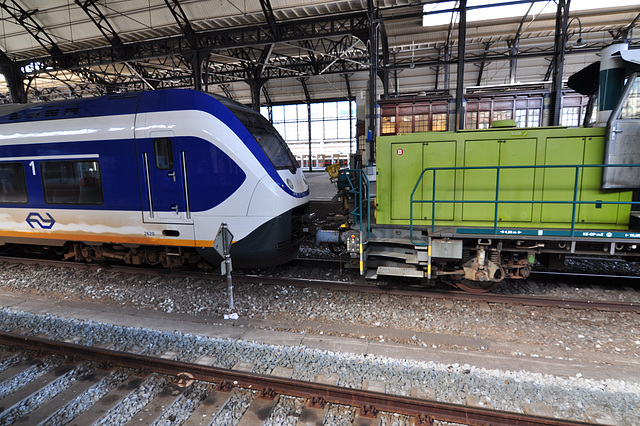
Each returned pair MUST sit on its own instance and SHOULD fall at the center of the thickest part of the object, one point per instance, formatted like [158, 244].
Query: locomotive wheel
[475, 286]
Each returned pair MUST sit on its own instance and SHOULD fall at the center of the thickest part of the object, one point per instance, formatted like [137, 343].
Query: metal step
[375, 251]
[371, 274]
[398, 271]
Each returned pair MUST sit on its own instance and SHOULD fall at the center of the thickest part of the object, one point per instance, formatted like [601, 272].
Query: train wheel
[475, 286]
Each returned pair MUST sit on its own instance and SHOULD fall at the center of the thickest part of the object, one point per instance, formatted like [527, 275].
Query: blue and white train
[148, 178]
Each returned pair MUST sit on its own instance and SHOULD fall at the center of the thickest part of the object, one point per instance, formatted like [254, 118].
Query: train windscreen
[267, 136]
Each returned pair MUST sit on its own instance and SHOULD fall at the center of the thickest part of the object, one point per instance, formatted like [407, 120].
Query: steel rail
[320, 394]
[376, 288]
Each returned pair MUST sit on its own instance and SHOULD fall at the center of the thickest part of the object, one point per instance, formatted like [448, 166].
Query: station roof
[287, 50]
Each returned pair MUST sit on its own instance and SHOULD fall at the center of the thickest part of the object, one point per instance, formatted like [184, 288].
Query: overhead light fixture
[579, 42]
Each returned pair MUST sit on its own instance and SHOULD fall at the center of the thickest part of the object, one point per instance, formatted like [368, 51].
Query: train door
[623, 133]
[165, 179]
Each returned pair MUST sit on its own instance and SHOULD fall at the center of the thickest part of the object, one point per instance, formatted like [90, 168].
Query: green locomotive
[480, 206]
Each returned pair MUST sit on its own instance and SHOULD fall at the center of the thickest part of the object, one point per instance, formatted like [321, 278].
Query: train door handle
[172, 175]
[174, 207]
[617, 130]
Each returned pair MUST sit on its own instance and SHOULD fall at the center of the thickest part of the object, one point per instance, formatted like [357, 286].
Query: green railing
[360, 188]
[496, 201]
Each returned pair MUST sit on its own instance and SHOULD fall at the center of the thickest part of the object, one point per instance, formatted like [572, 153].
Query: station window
[388, 125]
[72, 182]
[405, 124]
[14, 187]
[533, 118]
[521, 117]
[439, 122]
[422, 122]
[502, 115]
[484, 119]
[164, 153]
[571, 116]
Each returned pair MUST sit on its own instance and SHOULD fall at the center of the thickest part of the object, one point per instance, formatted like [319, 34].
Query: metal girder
[267, 96]
[484, 62]
[25, 19]
[502, 55]
[625, 33]
[269, 16]
[97, 17]
[514, 44]
[225, 89]
[281, 66]
[330, 26]
[182, 20]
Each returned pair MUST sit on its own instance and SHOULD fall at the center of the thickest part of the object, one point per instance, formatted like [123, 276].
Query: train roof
[114, 104]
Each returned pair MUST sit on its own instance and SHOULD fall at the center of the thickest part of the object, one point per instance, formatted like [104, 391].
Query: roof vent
[71, 111]
[14, 116]
[52, 112]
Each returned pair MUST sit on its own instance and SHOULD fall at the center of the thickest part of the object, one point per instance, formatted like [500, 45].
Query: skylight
[516, 10]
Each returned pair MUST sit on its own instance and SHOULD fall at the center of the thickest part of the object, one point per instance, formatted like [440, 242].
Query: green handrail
[360, 187]
[496, 201]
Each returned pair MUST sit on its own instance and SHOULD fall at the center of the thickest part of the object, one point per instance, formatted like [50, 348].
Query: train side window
[72, 182]
[164, 153]
[13, 188]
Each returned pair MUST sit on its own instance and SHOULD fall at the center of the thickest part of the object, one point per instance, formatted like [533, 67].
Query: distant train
[148, 178]
[481, 206]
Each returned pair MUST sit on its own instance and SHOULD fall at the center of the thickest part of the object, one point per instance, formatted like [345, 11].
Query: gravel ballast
[417, 322]
[569, 397]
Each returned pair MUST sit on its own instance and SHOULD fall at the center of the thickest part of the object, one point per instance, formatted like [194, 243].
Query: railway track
[360, 285]
[70, 391]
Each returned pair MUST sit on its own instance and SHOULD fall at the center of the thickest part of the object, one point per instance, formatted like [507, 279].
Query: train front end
[277, 206]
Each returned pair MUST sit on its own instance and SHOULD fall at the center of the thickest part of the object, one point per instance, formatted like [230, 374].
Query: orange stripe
[105, 238]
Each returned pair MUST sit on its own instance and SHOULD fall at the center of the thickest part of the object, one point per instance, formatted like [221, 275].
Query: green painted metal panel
[558, 184]
[480, 184]
[439, 154]
[591, 181]
[398, 174]
[516, 184]
[406, 166]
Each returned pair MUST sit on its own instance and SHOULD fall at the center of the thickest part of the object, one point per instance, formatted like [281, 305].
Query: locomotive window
[631, 106]
[14, 187]
[164, 153]
[72, 182]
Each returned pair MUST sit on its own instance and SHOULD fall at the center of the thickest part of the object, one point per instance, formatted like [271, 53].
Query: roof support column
[307, 99]
[196, 61]
[255, 84]
[14, 77]
[373, 76]
[462, 36]
[562, 16]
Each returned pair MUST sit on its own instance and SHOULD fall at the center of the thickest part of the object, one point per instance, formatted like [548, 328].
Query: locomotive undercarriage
[472, 263]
